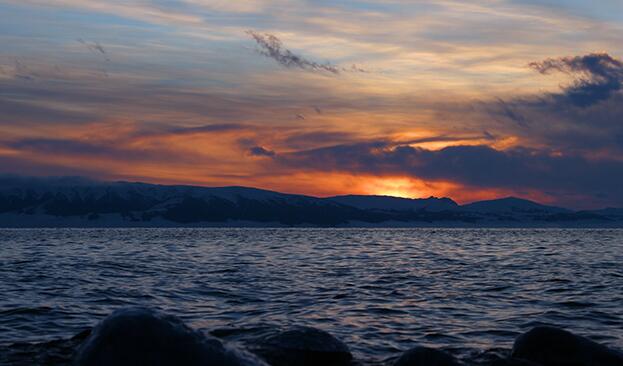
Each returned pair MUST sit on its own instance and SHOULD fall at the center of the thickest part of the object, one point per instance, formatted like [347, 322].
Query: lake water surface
[381, 291]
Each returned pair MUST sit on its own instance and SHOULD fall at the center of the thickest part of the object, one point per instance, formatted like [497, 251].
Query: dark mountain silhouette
[512, 205]
[389, 203]
[75, 201]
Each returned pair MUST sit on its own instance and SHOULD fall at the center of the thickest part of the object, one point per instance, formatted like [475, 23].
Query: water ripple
[380, 290]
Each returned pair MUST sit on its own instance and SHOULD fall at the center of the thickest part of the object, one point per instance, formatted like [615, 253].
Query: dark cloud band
[598, 76]
[474, 166]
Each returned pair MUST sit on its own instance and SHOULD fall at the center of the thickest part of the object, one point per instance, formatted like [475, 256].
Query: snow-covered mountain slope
[28, 202]
[512, 204]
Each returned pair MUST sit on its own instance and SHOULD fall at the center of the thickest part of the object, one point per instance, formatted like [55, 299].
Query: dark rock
[302, 346]
[513, 362]
[138, 336]
[423, 356]
[550, 346]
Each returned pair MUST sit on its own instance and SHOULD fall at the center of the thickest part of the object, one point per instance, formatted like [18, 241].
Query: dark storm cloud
[598, 77]
[271, 46]
[260, 151]
[475, 166]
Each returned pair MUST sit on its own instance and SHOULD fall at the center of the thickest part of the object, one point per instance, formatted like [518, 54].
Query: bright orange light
[397, 187]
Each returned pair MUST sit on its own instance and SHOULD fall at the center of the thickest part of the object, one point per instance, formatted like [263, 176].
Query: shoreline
[136, 334]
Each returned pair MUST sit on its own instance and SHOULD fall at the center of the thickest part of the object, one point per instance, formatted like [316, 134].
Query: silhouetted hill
[512, 204]
[79, 202]
[389, 203]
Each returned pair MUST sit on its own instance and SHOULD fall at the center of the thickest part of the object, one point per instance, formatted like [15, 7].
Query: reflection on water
[379, 290]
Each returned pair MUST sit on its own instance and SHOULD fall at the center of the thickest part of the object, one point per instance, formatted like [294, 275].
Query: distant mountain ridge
[80, 202]
[390, 203]
[512, 204]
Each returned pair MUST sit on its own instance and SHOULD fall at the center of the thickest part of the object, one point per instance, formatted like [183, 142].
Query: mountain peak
[79, 202]
[512, 204]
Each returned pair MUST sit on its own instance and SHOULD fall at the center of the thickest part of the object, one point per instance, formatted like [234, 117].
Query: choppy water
[379, 290]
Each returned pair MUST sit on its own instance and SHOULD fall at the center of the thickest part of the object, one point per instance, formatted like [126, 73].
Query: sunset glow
[411, 99]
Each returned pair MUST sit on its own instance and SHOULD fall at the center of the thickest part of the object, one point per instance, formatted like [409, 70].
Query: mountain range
[80, 202]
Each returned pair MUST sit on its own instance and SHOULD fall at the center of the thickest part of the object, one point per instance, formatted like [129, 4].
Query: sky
[464, 99]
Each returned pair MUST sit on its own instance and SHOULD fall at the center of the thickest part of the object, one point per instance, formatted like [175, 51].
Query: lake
[381, 291]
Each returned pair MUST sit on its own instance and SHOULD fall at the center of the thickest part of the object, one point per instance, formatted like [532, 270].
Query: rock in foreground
[550, 346]
[423, 356]
[138, 336]
[303, 346]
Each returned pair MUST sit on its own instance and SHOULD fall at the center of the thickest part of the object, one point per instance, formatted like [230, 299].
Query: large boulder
[424, 356]
[139, 336]
[302, 346]
[550, 346]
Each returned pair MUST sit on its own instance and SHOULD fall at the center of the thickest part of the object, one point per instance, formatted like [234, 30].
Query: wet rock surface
[302, 346]
[550, 346]
[138, 336]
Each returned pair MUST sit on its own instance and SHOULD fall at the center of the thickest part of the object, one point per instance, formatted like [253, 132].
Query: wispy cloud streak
[94, 47]
[271, 46]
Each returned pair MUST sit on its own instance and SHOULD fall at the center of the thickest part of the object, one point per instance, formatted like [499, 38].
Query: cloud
[149, 131]
[219, 127]
[473, 166]
[271, 46]
[24, 166]
[22, 72]
[488, 135]
[507, 110]
[29, 114]
[95, 47]
[84, 99]
[598, 76]
[260, 151]
[308, 139]
[108, 150]
[63, 146]
[443, 138]
[581, 119]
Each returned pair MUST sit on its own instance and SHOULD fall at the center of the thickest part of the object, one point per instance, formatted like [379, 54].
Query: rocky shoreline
[141, 336]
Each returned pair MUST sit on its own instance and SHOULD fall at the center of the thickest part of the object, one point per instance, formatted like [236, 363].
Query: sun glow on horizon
[395, 187]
